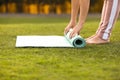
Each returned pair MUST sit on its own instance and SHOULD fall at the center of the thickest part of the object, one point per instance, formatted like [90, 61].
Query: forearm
[84, 7]
[75, 8]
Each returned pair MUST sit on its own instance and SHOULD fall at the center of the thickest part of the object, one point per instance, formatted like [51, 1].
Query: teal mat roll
[76, 41]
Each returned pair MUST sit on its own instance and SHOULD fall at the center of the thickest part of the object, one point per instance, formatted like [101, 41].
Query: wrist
[73, 22]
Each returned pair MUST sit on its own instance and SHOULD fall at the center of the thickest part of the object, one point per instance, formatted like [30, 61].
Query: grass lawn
[93, 62]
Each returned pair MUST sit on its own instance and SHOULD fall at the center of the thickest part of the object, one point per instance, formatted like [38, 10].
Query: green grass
[94, 62]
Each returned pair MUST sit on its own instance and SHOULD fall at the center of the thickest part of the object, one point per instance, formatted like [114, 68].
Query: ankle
[101, 38]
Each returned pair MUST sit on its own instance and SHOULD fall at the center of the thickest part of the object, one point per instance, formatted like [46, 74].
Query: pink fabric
[105, 18]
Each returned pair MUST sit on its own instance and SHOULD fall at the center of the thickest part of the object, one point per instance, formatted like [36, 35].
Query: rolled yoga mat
[76, 41]
[50, 41]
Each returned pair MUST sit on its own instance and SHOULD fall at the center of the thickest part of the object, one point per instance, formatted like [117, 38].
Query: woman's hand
[76, 30]
[71, 25]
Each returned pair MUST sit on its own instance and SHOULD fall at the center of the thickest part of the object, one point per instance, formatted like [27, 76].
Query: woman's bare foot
[96, 40]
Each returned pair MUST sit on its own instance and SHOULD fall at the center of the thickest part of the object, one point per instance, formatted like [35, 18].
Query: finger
[66, 30]
[71, 35]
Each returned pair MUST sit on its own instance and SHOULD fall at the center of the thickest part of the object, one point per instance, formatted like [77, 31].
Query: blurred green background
[44, 6]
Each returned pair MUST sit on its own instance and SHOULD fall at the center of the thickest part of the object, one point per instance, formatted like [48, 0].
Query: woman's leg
[74, 12]
[84, 7]
[110, 14]
[102, 17]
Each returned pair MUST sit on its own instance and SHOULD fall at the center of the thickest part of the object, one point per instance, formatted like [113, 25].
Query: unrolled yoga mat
[50, 41]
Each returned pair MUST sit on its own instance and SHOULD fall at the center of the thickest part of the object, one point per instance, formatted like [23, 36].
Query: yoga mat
[50, 41]
[76, 41]
[42, 41]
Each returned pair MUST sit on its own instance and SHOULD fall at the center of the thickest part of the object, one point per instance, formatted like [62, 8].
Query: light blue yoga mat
[50, 41]
[76, 41]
